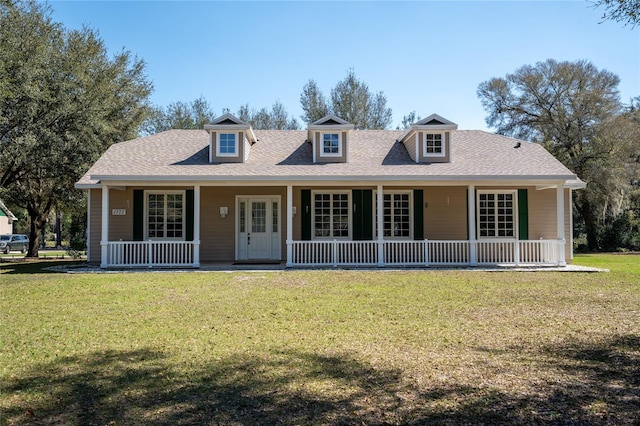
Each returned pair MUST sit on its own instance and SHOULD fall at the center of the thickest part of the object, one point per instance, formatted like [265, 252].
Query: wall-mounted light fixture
[294, 210]
[224, 211]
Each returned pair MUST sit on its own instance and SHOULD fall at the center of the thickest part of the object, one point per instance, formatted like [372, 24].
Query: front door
[258, 236]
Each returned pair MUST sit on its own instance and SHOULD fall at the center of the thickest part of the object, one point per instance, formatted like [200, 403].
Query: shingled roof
[287, 155]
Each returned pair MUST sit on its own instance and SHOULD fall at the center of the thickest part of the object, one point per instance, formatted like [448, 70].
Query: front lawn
[322, 347]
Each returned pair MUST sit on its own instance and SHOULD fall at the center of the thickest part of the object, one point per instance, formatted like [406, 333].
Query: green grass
[321, 347]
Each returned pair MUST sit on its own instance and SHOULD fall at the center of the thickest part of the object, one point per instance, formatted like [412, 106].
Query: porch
[355, 253]
[217, 222]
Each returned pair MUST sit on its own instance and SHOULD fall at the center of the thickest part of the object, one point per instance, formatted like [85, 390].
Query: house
[330, 195]
[6, 219]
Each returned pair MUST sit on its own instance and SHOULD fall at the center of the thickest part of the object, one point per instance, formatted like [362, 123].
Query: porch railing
[150, 253]
[424, 253]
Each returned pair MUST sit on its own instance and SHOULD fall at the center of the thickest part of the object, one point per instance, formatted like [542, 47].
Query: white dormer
[429, 140]
[329, 139]
[230, 140]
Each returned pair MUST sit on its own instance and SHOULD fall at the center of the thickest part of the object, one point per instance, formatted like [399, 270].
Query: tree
[63, 101]
[179, 115]
[314, 104]
[627, 11]
[408, 120]
[275, 119]
[572, 108]
[351, 100]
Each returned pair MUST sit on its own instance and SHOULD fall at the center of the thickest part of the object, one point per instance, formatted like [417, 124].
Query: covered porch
[381, 250]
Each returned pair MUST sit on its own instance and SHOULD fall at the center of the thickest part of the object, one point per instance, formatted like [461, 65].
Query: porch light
[224, 211]
[293, 210]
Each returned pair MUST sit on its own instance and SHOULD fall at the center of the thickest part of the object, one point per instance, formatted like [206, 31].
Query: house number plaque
[118, 212]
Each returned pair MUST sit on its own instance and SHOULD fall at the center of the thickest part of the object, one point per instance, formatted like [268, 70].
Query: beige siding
[542, 214]
[429, 159]
[445, 218]
[568, 252]
[297, 219]
[410, 145]
[217, 234]
[223, 159]
[344, 147]
[121, 227]
[95, 223]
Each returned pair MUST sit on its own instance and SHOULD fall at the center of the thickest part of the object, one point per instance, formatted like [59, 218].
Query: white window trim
[516, 227]
[146, 215]
[433, 154]
[375, 218]
[313, 216]
[325, 154]
[225, 154]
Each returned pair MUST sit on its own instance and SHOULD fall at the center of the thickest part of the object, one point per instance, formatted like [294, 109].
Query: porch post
[380, 227]
[289, 226]
[104, 237]
[560, 224]
[196, 226]
[471, 219]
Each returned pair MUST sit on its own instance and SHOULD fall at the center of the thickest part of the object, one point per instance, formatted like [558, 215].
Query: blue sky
[425, 56]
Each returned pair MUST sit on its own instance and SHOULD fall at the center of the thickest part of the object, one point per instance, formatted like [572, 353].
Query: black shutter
[418, 214]
[138, 215]
[306, 214]
[523, 214]
[362, 214]
[189, 215]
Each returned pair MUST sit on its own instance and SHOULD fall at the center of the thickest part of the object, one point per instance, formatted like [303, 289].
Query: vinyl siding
[240, 144]
[95, 230]
[217, 234]
[430, 159]
[445, 218]
[344, 147]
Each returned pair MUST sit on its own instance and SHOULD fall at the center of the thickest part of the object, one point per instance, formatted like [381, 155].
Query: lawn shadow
[293, 387]
[37, 266]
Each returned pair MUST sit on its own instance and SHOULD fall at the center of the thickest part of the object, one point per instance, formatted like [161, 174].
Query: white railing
[405, 252]
[449, 253]
[334, 253]
[424, 253]
[150, 253]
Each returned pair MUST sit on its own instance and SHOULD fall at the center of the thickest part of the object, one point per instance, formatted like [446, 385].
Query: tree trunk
[590, 225]
[38, 221]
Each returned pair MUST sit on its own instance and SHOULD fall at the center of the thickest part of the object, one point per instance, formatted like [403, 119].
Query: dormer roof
[328, 123]
[231, 122]
[432, 122]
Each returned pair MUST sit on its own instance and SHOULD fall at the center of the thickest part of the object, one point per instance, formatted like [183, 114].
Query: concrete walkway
[259, 267]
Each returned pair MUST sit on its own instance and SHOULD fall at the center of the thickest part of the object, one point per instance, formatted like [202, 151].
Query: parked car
[13, 242]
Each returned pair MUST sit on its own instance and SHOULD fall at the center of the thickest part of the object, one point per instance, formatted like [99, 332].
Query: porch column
[560, 224]
[380, 227]
[289, 226]
[471, 219]
[196, 226]
[104, 235]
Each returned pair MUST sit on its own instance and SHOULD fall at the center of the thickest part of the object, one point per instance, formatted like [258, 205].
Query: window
[243, 215]
[274, 216]
[331, 215]
[434, 145]
[331, 144]
[165, 215]
[396, 215]
[496, 214]
[227, 146]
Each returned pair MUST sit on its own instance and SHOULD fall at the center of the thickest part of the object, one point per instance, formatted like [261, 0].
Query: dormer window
[227, 145]
[429, 140]
[331, 145]
[329, 139]
[230, 140]
[434, 145]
